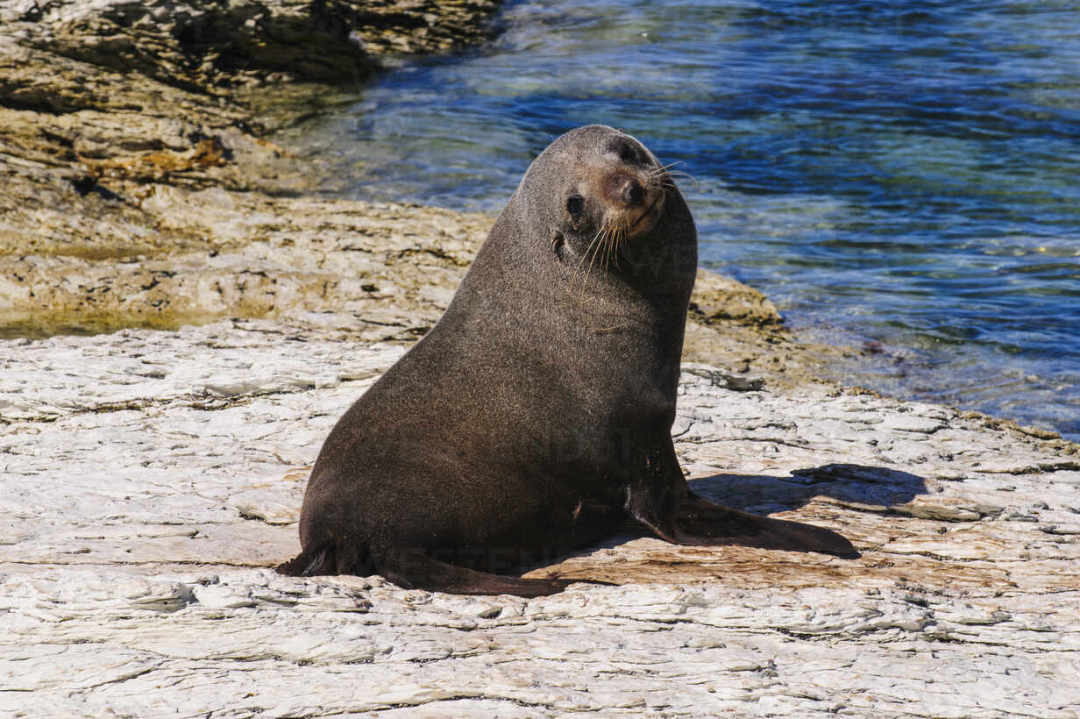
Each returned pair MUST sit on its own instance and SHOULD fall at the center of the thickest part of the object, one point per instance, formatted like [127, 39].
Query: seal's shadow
[765, 494]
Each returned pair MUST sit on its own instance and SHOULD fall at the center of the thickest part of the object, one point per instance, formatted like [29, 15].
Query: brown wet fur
[535, 417]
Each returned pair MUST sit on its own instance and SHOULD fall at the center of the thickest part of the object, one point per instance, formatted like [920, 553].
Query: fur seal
[535, 417]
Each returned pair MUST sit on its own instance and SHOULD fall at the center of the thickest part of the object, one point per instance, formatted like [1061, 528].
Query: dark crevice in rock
[86, 184]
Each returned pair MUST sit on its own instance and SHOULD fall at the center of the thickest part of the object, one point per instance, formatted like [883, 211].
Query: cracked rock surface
[149, 480]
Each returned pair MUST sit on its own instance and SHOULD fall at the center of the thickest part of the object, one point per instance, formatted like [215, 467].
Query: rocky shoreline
[185, 321]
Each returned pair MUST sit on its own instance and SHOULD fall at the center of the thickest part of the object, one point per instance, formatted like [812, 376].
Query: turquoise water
[903, 177]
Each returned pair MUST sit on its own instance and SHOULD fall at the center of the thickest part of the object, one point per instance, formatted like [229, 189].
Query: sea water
[902, 177]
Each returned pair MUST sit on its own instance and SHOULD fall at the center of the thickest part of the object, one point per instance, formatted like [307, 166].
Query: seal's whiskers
[582, 271]
[665, 175]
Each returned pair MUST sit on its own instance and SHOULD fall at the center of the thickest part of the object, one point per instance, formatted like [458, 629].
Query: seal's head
[608, 189]
[606, 202]
[618, 195]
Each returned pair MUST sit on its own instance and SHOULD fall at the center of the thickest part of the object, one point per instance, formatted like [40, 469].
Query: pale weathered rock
[147, 480]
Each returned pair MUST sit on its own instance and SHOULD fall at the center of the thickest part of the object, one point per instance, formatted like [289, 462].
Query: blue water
[894, 175]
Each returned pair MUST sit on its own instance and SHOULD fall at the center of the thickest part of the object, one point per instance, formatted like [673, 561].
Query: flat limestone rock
[149, 480]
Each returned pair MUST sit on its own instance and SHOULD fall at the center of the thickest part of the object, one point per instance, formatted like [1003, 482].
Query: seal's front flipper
[413, 569]
[701, 522]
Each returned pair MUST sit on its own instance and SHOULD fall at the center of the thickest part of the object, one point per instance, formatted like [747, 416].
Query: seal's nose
[633, 193]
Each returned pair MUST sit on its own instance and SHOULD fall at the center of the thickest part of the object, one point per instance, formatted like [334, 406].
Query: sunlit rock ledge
[150, 479]
[152, 473]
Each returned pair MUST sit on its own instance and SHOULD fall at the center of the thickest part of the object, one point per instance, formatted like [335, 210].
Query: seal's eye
[575, 205]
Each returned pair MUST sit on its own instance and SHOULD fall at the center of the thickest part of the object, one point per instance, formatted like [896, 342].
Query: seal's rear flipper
[310, 563]
[701, 522]
[413, 569]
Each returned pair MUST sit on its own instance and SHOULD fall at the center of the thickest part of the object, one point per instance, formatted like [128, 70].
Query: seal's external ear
[625, 149]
